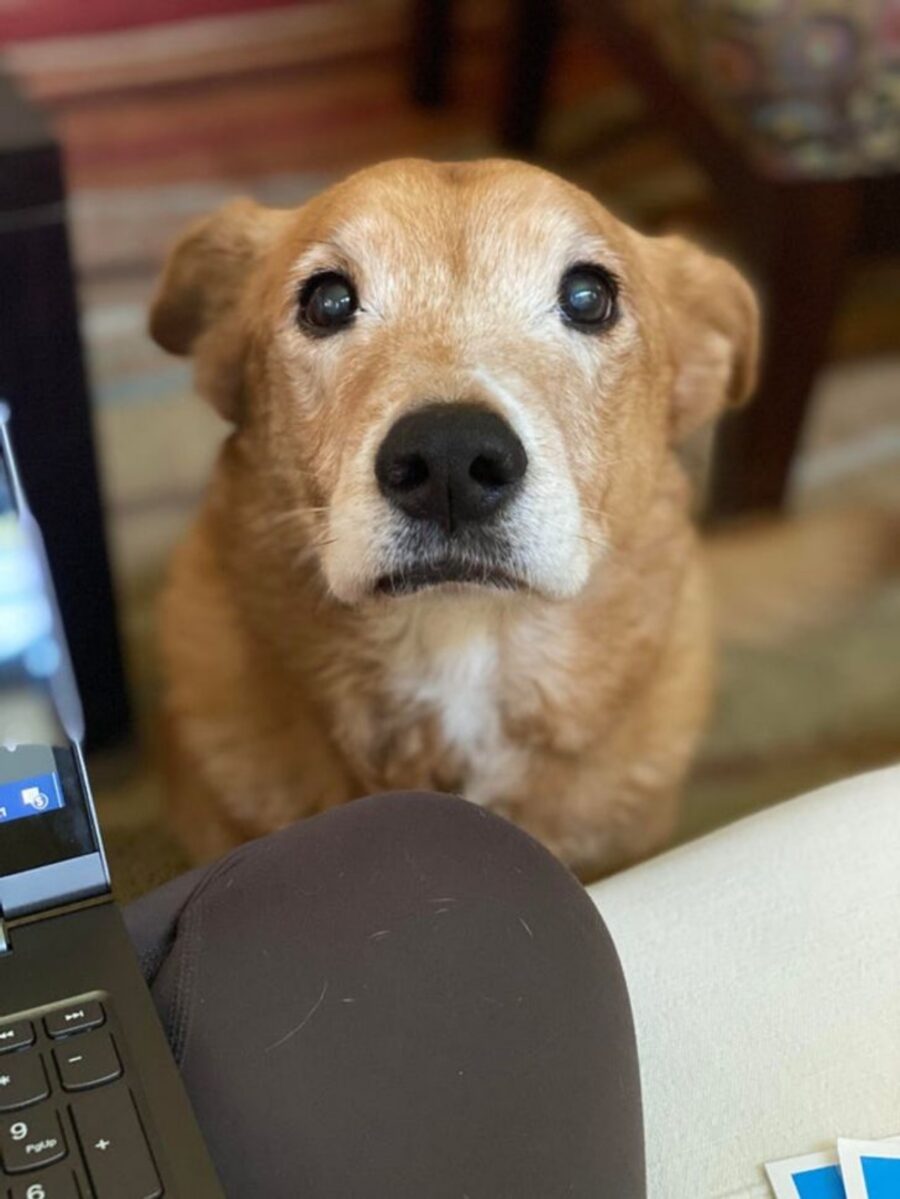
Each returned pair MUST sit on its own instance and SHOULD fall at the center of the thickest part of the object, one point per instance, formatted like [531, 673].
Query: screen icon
[35, 798]
[29, 797]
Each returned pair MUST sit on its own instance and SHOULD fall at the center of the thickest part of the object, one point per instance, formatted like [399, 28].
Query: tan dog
[447, 544]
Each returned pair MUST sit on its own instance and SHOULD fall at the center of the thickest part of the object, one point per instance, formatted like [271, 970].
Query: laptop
[91, 1103]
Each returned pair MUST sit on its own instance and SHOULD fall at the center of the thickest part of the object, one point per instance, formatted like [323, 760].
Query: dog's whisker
[322, 544]
[600, 545]
[313, 547]
[283, 518]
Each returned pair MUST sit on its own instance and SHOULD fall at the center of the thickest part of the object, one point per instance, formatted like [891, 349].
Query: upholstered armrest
[763, 964]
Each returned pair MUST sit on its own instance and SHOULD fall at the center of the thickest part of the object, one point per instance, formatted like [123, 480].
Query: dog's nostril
[488, 472]
[406, 474]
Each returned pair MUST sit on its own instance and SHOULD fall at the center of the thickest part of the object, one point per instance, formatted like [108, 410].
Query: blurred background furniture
[42, 377]
[794, 113]
[165, 108]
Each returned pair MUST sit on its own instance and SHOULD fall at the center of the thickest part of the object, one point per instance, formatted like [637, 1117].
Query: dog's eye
[587, 297]
[327, 302]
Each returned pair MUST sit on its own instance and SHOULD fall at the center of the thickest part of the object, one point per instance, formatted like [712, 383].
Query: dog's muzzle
[450, 469]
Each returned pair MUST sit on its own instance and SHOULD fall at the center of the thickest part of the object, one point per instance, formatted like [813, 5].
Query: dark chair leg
[432, 34]
[805, 255]
[42, 377]
[536, 26]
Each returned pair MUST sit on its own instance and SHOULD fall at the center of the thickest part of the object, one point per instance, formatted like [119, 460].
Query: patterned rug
[161, 123]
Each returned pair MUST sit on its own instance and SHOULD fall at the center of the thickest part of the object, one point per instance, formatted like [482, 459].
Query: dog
[447, 544]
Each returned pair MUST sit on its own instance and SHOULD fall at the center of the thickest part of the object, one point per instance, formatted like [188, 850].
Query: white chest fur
[448, 664]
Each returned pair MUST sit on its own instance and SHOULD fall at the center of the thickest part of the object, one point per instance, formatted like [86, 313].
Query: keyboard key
[22, 1081]
[58, 1183]
[77, 1018]
[87, 1061]
[31, 1140]
[114, 1145]
[16, 1036]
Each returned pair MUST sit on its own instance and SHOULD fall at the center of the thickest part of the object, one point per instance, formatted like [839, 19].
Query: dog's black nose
[450, 463]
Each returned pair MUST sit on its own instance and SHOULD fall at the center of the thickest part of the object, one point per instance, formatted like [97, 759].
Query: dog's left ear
[197, 307]
[712, 319]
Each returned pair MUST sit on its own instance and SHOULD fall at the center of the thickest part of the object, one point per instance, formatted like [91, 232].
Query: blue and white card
[859, 1170]
[813, 1176]
[871, 1169]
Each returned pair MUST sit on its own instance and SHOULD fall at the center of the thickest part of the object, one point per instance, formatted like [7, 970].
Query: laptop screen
[45, 815]
[29, 654]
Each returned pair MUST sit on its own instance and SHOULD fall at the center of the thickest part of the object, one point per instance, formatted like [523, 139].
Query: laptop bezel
[59, 883]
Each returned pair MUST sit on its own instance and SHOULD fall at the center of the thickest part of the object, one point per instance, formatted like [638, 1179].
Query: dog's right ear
[195, 310]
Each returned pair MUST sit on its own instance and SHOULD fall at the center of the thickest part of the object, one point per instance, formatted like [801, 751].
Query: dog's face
[455, 374]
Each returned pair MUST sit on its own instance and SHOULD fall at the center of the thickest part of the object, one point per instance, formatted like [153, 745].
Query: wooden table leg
[432, 35]
[808, 237]
[536, 26]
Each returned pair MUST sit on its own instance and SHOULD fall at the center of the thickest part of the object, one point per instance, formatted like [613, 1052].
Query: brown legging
[403, 998]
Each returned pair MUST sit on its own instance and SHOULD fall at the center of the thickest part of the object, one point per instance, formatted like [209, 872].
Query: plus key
[114, 1145]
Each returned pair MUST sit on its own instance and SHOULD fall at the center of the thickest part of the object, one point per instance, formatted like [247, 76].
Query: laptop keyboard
[69, 1124]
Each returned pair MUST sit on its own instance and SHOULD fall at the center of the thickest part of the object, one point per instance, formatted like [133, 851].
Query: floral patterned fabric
[812, 85]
